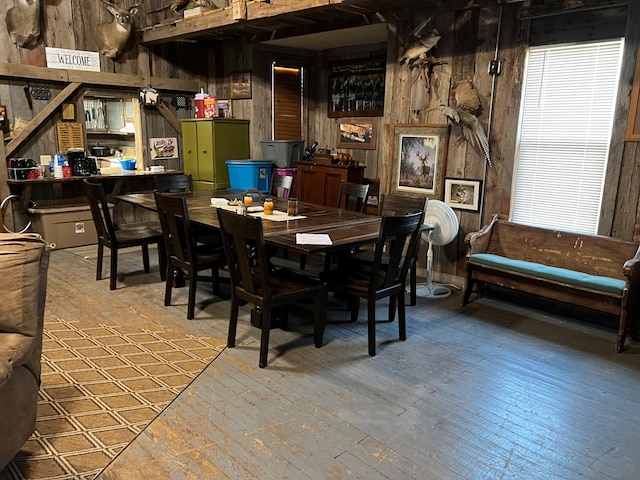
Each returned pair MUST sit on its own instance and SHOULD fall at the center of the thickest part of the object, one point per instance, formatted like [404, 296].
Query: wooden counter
[59, 192]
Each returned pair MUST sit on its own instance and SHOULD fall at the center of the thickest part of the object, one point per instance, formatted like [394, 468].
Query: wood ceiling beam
[30, 72]
[223, 19]
[76, 79]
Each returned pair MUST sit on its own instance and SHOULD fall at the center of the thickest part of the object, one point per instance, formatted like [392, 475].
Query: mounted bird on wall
[465, 114]
[416, 56]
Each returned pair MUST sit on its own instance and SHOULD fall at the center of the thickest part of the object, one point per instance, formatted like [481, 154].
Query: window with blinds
[566, 117]
[287, 102]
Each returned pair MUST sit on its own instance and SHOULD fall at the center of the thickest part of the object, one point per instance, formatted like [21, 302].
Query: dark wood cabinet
[320, 184]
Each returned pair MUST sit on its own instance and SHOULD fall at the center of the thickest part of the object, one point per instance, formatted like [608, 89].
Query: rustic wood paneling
[505, 115]
[590, 25]
[468, 33]
[622, 187]
[9, 52]
[60, 31]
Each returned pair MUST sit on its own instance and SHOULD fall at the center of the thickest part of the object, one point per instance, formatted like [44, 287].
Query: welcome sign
[72, 59]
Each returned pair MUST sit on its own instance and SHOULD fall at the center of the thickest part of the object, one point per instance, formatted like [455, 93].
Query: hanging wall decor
[241, 85]
[419, 159]
[356, 88]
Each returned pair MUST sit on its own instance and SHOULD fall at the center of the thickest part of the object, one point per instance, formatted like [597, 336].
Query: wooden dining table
[345, 228]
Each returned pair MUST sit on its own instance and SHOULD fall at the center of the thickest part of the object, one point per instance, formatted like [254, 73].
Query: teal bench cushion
[563, 275]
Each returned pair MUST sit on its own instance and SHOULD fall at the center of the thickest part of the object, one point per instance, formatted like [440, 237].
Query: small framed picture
[224, 108]
[463, 193]
[356, 88]
[163, 148]
[69, 112]
[353, 133]
[241, 85]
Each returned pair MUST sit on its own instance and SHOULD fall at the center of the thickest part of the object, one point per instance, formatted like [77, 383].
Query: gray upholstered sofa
[24, 261]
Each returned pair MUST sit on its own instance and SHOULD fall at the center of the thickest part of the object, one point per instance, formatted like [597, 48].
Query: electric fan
[445, 225]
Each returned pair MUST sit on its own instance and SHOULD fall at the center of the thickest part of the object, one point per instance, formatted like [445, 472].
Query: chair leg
[467, 291]
[623, 331]
[145, 258]
[392, 307]
[168, 286]
[99, 262]
[191, 302]
[353, 304]
[113, 274]
[412, 284]
[371, 326]
[320, 316]
[215, 279]
[402, 318]
[264, 340]
[284, 318]
[233, 321]
[162, 261]
[328, 260]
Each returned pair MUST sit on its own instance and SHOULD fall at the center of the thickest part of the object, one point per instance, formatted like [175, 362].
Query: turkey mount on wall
[23, 23]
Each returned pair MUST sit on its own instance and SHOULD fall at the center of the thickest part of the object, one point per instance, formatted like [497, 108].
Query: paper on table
[277, 216]
[313, 239]
[219, 201]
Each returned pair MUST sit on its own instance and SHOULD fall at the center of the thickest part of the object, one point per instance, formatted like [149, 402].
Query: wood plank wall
[469, 33]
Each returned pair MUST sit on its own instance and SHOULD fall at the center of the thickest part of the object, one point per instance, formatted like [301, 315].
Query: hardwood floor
[494, 391]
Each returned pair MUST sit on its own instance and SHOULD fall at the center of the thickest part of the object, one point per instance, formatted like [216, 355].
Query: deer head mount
[23, 22]
[112, 37]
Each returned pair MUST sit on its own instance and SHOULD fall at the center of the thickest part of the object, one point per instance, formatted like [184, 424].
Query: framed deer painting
[419, 159]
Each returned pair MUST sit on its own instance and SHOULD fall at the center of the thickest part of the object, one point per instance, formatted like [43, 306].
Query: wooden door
[190, 149]
[311, 185]
[205, 133]
[332, 179]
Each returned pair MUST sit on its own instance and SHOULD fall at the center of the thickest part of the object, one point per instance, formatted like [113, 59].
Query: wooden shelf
[110, 133]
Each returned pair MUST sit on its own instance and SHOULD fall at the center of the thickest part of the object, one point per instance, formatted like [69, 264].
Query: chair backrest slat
[393, 204]
[173, 183]
[176, 226]
[281, 185]
[353, 196]
[100, 211]
[245, 249]
[392, 241]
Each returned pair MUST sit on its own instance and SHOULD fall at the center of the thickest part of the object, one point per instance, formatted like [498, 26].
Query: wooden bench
[593, 271]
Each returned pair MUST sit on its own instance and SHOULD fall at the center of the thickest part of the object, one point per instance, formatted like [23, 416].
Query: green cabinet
[207, 143]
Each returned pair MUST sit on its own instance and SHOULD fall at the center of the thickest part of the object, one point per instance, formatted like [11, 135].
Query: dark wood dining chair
[353, 196]
[183, 252]
[392, 205]
[116, 237]
[184, 183]
[374, 281]
[173, 183]
[254, 281]
[281, 185]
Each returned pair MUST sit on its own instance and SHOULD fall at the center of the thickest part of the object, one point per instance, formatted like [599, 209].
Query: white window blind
[566, 117]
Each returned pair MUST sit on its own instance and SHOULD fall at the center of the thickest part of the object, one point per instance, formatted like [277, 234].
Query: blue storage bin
[245, 174]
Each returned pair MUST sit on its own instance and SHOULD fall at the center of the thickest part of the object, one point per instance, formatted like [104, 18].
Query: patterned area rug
[101, 385]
